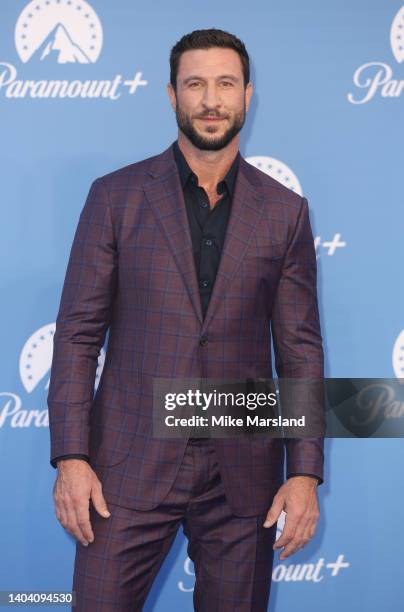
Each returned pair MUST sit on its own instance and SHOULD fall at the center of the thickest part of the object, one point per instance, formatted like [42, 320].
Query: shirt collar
[186, 173]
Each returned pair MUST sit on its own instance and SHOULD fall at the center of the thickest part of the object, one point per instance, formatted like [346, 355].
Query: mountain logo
[277, 170]
[61, 31]
[397, 36]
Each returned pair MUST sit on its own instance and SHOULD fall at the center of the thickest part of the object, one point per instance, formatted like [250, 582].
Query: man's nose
[211, 97]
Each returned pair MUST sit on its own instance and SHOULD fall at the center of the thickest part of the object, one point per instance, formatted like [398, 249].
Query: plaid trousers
[232, 555]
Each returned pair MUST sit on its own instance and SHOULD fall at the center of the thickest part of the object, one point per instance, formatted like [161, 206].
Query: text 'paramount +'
[111, 89]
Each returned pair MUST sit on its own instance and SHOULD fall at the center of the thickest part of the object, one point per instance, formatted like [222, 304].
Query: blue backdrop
[82, 92]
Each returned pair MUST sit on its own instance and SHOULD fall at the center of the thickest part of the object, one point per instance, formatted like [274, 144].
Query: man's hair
[206, 39]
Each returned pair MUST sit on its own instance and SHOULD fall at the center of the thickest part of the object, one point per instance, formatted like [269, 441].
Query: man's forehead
[214, 61]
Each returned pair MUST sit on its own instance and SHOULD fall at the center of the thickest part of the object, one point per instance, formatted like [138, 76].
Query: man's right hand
[75, 485]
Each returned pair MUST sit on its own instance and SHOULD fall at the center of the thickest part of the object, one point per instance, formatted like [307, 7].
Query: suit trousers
[232, 555]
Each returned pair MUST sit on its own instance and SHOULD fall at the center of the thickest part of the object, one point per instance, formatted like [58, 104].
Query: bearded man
[194, 260]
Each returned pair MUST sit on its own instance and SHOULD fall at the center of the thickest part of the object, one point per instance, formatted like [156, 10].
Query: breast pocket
[262, 260]
[266, 250]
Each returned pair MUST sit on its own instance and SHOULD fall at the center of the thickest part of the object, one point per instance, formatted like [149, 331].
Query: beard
[211, 143]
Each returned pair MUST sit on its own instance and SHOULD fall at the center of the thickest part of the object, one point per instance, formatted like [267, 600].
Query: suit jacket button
[203, 340]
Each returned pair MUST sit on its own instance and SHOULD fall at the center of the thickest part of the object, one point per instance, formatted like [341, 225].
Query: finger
[59, 511]
[83, 520]
[308, 533]
[99, 501]
[61, 514]
[289, 550]
[311, 524]
[283, 540]
[300, 537]
[72, 525]
[289, 530]
[275, 511]
[295, 544]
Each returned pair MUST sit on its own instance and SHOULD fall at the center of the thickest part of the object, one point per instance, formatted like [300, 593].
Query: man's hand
[298, 498]
[74, 486]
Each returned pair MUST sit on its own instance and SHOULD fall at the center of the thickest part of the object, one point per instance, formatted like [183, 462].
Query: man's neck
[209, 166]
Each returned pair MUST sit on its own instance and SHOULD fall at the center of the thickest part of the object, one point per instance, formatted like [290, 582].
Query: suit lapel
[165, 195]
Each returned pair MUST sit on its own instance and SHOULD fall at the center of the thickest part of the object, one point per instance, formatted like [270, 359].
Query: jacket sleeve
[81, 325]
[297, 336]
[55, 460]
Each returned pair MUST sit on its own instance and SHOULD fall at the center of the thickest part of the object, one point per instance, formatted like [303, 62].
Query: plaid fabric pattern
[232, 555]
[131, 270]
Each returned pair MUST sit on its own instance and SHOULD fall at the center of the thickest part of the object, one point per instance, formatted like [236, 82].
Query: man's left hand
[298, 498]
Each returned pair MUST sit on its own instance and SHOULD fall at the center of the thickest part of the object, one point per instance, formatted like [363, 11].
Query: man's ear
[248, 94]
[172, 96]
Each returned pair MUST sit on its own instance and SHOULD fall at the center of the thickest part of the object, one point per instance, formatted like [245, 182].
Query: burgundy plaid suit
[131, 268]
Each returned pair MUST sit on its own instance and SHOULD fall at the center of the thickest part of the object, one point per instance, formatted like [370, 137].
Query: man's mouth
[211, 118]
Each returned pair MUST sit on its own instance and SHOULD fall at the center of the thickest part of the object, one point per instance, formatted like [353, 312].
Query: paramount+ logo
[53, 35]
[377, 78]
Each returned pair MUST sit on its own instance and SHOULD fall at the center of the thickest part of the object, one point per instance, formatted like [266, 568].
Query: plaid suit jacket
[131, 269]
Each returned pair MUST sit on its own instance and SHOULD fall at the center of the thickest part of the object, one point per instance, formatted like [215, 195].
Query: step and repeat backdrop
[82, 93]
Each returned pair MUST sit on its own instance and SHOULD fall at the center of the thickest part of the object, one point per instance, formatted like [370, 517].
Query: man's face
[211, 101]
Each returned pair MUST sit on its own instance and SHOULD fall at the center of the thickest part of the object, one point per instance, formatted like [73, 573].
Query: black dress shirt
[207, 228]
[207, 225]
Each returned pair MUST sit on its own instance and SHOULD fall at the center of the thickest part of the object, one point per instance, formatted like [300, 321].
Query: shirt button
[204, 204]
[208, 242]
[205, 283]
[203, 340]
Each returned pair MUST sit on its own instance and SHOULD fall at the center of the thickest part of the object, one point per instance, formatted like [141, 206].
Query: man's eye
[226, 83]
[194, 84]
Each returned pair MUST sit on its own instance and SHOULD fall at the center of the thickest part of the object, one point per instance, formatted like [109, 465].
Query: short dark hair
[206, 39]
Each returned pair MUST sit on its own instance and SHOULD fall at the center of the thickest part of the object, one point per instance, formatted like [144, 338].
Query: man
[193, 259]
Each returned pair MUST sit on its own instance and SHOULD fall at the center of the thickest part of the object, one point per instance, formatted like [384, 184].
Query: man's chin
[209, 141]
[207, 144]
